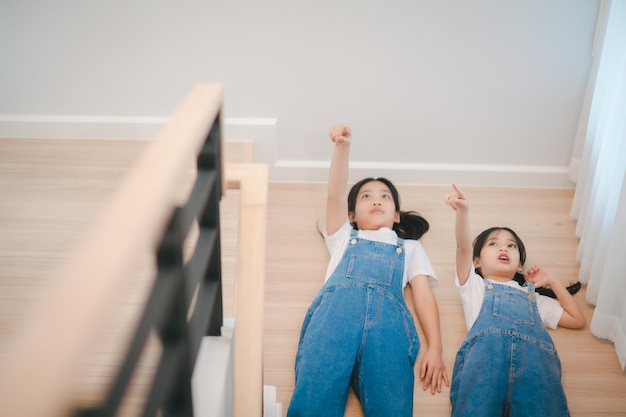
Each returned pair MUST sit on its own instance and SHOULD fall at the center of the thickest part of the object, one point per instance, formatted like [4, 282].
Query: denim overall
[358, 331]
[508, 365]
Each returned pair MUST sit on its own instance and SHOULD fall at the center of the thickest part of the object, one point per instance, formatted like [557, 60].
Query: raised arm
[464, 260]
[573, 317]
[337, 203]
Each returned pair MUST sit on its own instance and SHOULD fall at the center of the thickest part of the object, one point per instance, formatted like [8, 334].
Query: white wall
[477, 92]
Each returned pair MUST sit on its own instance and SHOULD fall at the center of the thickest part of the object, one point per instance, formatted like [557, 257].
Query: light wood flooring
[297, 258]
[50, 191]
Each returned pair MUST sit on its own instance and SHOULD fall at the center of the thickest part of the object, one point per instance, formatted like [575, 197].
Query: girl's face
[374, 207]
[499, 256]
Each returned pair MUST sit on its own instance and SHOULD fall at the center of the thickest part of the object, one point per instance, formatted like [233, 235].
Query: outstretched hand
[457, 199]
[433, 372]
[340, 134]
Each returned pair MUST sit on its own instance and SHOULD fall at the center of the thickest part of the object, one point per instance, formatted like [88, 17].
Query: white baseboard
[262, 130]
[264, 133]
[80, 127]
[430, 174]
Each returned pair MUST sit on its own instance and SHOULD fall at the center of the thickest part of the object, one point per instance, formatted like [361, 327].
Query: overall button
[353, 241]
[490, 287]
[531, 297]
[398, 250]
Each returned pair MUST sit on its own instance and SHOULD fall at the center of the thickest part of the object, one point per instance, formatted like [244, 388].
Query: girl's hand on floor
[433, 372]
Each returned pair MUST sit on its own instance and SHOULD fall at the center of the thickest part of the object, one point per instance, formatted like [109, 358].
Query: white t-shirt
[416, 261]
[473, 292]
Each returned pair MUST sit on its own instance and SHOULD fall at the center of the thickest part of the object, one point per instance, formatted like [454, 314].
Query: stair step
[212, 379]
[271, 408]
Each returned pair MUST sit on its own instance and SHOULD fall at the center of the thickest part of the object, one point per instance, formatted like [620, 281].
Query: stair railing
[185, 304]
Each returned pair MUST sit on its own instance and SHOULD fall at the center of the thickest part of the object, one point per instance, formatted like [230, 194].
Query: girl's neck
[375, 230]
[498, 278]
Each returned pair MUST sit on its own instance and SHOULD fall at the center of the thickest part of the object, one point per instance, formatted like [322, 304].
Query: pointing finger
[459, 192]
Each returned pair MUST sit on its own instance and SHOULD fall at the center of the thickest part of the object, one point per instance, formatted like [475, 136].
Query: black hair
[479, 242]
[411, 226]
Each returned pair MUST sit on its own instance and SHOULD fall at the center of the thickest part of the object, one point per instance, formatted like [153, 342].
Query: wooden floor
[51, 190]
[593, 381]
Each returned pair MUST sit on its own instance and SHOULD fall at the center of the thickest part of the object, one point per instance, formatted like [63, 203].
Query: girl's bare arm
[432, 369]
[573, 317]
[464, 260]
[337, 203]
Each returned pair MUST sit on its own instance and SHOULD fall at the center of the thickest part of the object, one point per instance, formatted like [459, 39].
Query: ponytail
[411, 226]
[572, 288]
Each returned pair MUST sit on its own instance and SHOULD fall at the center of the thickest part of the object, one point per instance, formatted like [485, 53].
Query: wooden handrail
[252, 180]
[42, 362]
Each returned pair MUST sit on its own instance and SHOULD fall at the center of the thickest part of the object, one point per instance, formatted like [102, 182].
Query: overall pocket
[517, 310]
[371, 269]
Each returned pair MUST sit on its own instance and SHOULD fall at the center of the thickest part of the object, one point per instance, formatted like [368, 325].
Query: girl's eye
[491, 244]
[512, 246]
[364, 196]
[386, 196]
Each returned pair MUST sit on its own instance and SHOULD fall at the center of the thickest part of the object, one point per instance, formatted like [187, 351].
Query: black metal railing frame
[185, 303]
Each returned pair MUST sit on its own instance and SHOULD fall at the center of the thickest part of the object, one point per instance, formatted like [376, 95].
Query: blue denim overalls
[508, 365]
[358, 331]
